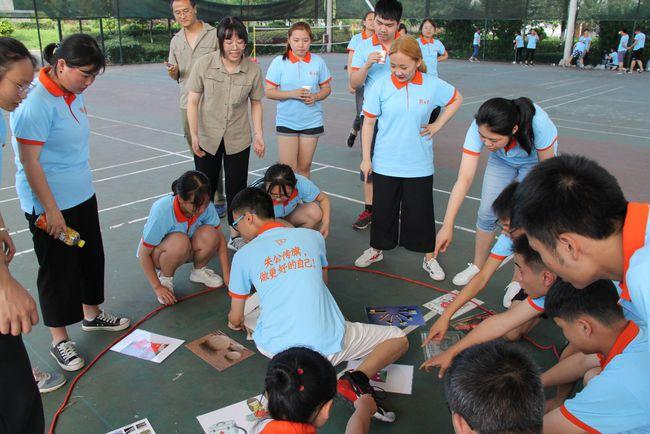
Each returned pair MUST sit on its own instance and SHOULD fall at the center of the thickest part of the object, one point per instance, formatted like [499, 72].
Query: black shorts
[315, 132]
[21, 410]
[69, 276]
[372, 148]
[402, 213]
[637, 54]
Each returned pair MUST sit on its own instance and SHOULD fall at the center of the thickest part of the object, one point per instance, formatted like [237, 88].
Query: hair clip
[300, 371]
[301, 388]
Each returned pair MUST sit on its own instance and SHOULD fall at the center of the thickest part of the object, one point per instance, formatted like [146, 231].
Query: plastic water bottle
[69, 237]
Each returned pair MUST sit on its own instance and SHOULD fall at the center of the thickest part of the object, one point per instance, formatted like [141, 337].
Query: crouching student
[183, 228]
[300, 387]
[502, 208]
[616, 399]
[287, 268]
[296, 199]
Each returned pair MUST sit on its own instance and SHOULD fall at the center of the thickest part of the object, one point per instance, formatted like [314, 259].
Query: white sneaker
[368, 257]
[465, 276]
[236, 243]
[206, 276]
[167, 282]
[433, 268]
[512, 289]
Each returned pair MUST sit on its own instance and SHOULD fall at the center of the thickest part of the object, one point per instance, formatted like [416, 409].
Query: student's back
[285, 265]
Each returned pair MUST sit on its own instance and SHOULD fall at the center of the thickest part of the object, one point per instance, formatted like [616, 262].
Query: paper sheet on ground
[220, 357]
[393, 378]
[439, 304]
[399, 316]
[237, 418]
[147, 346]
[140, 427]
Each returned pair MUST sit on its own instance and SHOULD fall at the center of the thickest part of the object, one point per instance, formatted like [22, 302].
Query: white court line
[357, 172]
[153, 148]
[565, 83]
[598, 123]
[581, 98]
[604, 132]
[105, 127]
[140, 171]
[571, 94]
[137, 125]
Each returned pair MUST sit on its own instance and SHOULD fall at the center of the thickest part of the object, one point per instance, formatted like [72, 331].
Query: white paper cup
[382, 56]
[307, 88]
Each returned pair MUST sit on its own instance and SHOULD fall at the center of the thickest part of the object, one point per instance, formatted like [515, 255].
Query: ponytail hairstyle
[409, 46]
[300, 25]
[77, 51]
[282, 176]
[299, 382]
[501, 115]
[192, 186]
[12, 51]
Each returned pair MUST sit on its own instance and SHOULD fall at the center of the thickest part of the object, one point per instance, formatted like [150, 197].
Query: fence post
[119, 31]
[58, 24]
[427, 8]
[101, 35]
[81, 29]
[328, 23]
[38, 31]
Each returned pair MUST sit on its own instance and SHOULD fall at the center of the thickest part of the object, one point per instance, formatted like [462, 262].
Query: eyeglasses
[239, 219]
[182, 12]
[24, 89]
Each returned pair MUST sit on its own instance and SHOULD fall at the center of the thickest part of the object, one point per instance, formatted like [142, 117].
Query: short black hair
[569, 193]
[531, 257]
[12, 51]
[171, 3]
[282, 176]
[389, 10]
[598, 300]
[430, 21]
[77, 50]
[229, 27]
[623, 29]
[368, 13]
[253, 200]
[299, 381]
[502, 205]
[497, 389]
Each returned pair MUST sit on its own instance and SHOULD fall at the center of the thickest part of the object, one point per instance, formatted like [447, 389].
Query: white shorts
[360, 340]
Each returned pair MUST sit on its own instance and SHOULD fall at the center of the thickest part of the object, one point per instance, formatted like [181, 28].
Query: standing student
[21, 409]
[300, 387]
[622, 49]
[368, 31]
[585, 230]
[299, 80]
[53, 177]
[370, 62]
[637, 50]
[181, 228]
[518, 134]
[402, 103]
[195, 39]
[433, 51]
[403, 31]
[613, 361]
[476, 44]
[518, 42]
[220, 87]
[297, 200]
[585, 38]
[287, 267]
[578, 54]
[532, 40]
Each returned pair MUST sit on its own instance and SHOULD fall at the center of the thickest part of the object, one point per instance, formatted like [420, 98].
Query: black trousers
[402, 213]
[21, 410]
[236, 170]
[519, 57]
[69, 276]
[530, 54]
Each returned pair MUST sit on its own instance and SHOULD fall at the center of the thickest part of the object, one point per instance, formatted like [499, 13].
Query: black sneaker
[66, 356]
[351, 139]
[363, 220]
[353, 384]
[105, 321]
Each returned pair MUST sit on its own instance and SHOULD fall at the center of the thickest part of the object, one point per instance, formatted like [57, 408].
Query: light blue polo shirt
[580, 46]
[57, 122]
[537, 303]
[377, 70]
[477, 39]
[286, 267]
[622, 45]
[519, 40]
[292, 74]
[544, 131]
[403, 109]
[618, 399]
[431, 49]
[639, 41]
[503, 248]
[305, 192]
[532, 41]
[613, 59]
[585, 40]
[356, 39]
[167, 217]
